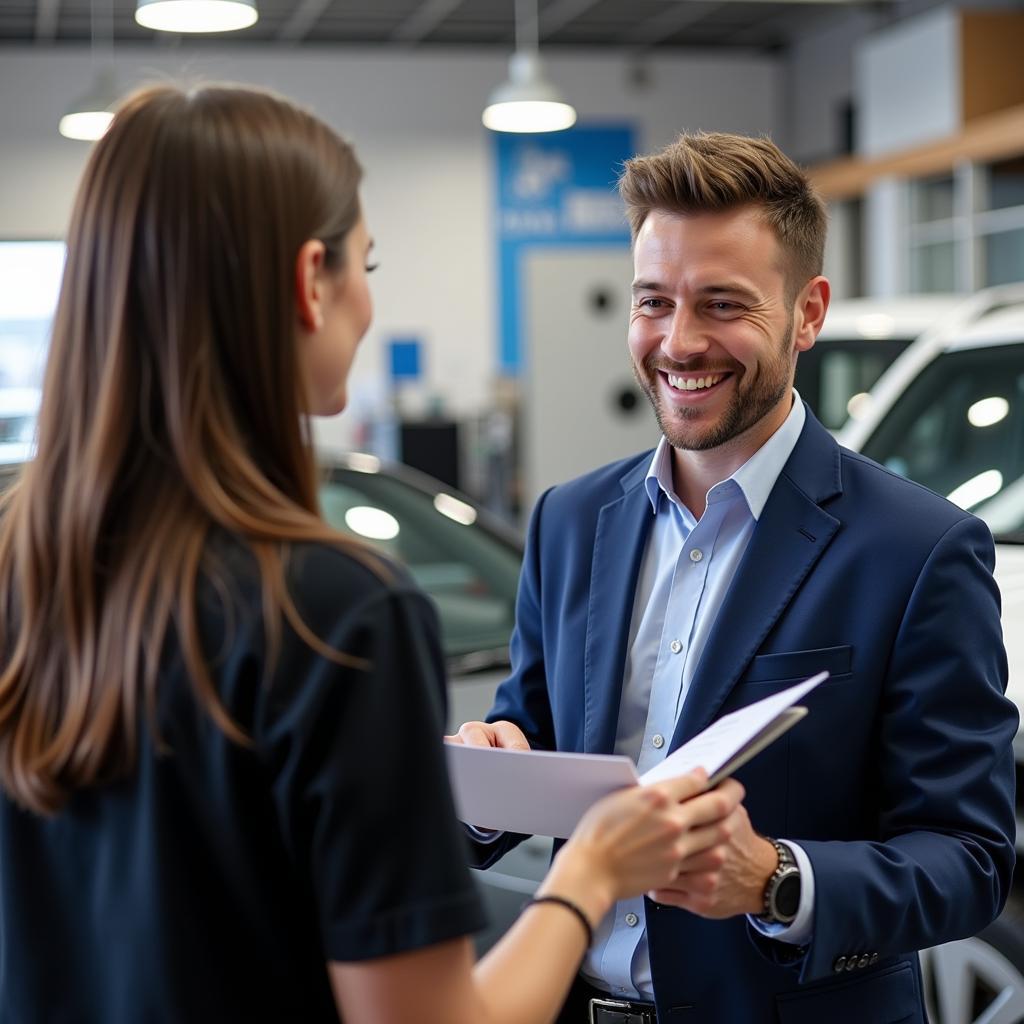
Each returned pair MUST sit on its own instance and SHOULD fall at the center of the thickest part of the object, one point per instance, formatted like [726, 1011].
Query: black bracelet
[569, 905]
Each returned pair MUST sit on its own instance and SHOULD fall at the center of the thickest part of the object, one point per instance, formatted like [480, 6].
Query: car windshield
[959, 430]
[469, 570]
[837, 373]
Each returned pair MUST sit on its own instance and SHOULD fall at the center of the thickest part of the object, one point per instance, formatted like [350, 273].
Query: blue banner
[556, 189]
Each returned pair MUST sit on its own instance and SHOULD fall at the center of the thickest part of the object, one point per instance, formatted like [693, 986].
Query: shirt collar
[755, 478]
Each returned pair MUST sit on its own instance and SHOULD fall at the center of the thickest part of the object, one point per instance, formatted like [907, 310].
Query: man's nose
[685, 338]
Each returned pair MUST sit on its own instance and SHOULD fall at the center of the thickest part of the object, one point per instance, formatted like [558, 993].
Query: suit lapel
[789, 538]
[619, 541]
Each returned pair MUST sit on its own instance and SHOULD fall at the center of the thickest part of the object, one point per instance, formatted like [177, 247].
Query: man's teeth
[694, 383]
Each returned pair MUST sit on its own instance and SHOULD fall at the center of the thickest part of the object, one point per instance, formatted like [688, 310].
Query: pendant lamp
[196, 15]
[527, 102]
[90, 115]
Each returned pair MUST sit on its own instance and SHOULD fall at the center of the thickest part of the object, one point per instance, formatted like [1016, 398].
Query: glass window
[469, 570]
[933, 267]
[1005, 184]
[30, 274]
[931, 199]
[1004, 256]
[959, 429]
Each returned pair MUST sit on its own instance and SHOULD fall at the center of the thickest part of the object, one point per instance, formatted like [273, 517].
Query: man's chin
[691, 429]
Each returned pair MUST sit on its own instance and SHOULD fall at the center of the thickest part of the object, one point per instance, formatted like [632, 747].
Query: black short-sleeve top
[214, 883]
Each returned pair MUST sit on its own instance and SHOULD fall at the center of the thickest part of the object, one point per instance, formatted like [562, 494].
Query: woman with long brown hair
[223, 787]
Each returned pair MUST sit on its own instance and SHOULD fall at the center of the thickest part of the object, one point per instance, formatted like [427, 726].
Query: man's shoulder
[901, 504]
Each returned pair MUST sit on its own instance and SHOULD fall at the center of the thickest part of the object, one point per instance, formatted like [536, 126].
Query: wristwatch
[782, 892]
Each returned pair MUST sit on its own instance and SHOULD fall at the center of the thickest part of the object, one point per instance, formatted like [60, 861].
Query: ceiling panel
[636, 24]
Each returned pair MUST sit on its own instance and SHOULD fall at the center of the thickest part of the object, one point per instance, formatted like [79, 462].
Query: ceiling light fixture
[89, 116]
[527, 102]
[196, 15]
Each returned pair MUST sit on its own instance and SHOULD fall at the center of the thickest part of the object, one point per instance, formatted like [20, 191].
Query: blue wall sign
[405, 358]
[556, 189]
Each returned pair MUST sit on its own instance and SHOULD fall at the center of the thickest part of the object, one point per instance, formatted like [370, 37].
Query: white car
[858, 342]
[949, 413]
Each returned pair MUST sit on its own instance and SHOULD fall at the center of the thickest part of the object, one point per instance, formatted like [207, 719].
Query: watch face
[787, 896]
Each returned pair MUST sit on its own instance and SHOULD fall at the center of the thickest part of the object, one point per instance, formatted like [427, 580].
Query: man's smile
[692, 382]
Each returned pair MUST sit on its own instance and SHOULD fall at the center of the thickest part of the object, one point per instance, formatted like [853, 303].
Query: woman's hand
[635, 840]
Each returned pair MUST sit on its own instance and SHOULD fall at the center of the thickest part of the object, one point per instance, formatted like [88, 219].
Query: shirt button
[632, 920]
[696, 555]
[675, 647]
[658, 740]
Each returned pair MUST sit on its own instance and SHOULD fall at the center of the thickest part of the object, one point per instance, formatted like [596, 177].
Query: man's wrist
[781, 894]
[767, 862]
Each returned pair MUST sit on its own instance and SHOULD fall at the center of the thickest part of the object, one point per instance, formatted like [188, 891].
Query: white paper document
[546, 793]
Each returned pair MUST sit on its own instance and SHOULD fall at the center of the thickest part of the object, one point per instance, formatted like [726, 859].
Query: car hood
[1010, 577]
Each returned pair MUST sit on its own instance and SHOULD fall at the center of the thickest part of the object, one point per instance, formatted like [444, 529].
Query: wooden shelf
[987, 138]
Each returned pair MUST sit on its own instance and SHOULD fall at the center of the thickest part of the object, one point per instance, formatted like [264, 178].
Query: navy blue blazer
[900, 782]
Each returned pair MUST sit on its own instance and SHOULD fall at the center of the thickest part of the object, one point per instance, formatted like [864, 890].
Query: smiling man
[747, 552]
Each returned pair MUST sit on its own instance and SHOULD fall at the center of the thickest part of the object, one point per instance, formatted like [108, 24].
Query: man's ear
[308, 284]
[811, 307]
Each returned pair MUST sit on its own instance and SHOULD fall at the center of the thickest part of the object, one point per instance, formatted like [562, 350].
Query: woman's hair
[710, 172]
[173, 403]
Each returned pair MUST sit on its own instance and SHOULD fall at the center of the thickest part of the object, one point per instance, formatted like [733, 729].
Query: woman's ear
[308, 284]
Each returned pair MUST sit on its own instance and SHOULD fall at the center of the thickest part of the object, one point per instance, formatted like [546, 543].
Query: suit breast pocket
[794, 666]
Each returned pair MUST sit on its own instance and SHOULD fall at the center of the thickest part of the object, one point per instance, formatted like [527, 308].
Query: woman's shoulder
[325, 580]
[345, 576]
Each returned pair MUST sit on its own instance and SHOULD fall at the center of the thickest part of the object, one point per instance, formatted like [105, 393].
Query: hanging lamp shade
[527, 102]
[196, 15]
[90, 115]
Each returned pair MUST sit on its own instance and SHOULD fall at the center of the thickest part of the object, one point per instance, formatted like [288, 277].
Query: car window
[959, 430]
[837, 370]
[469, 571]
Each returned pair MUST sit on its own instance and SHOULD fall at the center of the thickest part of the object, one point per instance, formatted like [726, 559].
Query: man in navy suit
[745, 553]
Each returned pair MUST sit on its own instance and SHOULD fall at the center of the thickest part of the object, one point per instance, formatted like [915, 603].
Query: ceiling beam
[424, 20]
[561, 12]
[305, 16]
[672, 20]
[46, 19]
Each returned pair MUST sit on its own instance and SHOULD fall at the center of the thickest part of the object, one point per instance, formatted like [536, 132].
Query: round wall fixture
[602, 300]
[626, 400]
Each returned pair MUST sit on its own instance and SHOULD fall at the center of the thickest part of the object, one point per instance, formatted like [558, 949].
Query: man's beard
[751, 401]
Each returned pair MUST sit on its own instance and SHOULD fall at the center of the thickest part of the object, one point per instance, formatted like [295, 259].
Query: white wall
[908, 84]
[819, 81]
[415, 119]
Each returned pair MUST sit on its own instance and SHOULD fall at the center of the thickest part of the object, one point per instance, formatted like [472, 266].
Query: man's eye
[371, 267]
[650, 303]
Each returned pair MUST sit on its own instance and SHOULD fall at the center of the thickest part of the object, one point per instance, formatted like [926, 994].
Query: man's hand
[490, 734]
[728, 879]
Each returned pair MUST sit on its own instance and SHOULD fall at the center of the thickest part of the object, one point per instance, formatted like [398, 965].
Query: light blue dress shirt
[687, 569]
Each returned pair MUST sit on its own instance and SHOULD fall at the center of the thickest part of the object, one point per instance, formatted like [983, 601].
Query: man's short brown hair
[710, 172]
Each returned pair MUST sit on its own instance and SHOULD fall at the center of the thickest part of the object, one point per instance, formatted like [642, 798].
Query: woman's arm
[630, 842]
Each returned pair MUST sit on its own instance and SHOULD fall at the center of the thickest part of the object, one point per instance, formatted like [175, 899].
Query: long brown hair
[172, 402]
